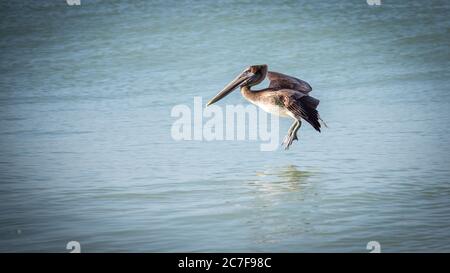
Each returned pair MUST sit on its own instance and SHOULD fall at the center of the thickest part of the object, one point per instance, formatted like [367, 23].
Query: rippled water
[86, 152]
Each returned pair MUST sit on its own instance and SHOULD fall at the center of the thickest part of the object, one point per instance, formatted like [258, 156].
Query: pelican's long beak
[239, 80]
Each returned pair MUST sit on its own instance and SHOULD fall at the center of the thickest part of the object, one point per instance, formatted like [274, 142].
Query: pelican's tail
[323, 122]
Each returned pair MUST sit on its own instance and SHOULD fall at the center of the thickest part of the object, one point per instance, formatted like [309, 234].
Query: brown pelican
[286, 96]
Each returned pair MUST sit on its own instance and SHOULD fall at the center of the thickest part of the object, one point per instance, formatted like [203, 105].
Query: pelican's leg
[292, 134]
[290, 131]
[286, 138]
[299, 123]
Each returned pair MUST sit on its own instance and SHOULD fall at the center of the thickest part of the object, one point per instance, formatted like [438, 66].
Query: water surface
[86, 152]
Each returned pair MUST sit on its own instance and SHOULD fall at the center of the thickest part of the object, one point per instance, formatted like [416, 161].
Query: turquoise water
[86, 152]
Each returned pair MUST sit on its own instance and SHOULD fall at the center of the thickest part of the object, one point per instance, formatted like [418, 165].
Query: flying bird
[286, 96]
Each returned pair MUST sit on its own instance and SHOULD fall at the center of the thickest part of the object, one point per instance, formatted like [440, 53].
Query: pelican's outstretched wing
[280, 81]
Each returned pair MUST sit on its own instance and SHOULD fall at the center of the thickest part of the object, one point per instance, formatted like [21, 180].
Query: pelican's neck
[248, 94]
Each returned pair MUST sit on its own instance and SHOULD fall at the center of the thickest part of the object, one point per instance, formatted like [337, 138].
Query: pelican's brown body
[286, 96]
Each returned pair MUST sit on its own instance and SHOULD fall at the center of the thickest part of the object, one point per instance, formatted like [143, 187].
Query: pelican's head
[252, 75]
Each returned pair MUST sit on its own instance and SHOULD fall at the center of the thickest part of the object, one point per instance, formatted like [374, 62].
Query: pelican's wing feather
[280, 81]
[303, 107]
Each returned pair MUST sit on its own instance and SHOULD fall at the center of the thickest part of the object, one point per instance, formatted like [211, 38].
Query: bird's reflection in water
[281, 180]
[280, 204]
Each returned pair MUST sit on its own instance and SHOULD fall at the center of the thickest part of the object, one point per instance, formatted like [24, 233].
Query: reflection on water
[276, 190]
[278, 180]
